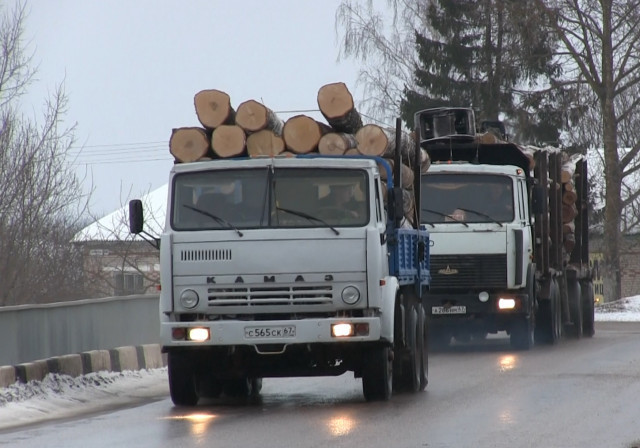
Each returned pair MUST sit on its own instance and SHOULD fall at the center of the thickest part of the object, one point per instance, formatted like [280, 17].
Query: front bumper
[233, 332]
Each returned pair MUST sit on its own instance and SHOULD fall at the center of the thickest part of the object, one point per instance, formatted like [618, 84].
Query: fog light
[198, 334]
[506, 304]
[483, 296]
[341, 330]
[350, 295]
[189, 298]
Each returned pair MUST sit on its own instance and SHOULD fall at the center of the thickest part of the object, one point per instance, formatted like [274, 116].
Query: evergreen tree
[491, 55]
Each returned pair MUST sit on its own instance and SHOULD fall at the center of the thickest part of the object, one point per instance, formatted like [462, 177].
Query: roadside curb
[139, 357]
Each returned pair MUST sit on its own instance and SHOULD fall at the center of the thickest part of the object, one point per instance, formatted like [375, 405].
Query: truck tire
[410, 369]
[243, 387]
[182, 379]
[575, 309]
[549, 317]
[588, 309]
[423, 347]
[521, 333]
[377, 373]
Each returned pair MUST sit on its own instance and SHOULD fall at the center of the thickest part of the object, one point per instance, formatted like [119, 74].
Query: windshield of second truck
[266, 197]
[468, 198]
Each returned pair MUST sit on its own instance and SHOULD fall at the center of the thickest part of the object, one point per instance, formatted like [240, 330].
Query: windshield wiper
[482, 214]
[309, 217]
[218, 219]
[444, 215]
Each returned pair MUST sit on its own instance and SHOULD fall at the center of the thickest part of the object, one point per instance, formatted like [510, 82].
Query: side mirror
[538, 205]
[136, 218]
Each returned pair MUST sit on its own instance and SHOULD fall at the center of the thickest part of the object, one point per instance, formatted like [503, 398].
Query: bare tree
[383, 39]
[601, 41]
[42, 200]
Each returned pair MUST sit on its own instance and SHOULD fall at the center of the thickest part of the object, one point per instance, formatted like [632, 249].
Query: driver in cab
[340, 201]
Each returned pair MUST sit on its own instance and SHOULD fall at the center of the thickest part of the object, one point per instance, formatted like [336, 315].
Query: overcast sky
[131, 69]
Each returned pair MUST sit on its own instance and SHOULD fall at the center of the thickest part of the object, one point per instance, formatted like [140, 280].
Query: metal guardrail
[34, 332]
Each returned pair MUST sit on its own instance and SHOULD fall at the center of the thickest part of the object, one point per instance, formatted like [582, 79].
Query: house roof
[115, 225]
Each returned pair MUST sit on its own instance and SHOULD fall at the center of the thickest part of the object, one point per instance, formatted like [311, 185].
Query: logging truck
[264, 276]
[509, 235]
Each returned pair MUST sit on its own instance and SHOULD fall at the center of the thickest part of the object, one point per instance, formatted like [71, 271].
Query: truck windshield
[468, 198]
[266, 198]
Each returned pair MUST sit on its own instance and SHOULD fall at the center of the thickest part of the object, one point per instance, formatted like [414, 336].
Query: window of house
[128, 283]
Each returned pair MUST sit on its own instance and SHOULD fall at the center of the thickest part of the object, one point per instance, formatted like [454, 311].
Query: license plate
[458, 309]
[284, 331]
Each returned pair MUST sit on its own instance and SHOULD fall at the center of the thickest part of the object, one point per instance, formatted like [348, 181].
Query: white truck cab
[288, 266]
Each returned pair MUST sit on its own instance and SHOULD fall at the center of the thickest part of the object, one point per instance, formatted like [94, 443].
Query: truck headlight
[506, 303]
[189, 298]
[350, 295]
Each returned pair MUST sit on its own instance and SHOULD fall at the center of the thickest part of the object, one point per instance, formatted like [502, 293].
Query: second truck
[509, 235]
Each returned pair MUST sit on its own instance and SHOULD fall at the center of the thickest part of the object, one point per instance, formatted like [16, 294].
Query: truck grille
[271, 295]
[468, 271]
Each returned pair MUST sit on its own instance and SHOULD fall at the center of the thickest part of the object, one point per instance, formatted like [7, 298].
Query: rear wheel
[588, 309]
[412, 362]
[423, 347]
[575, 307]
[182, 379]
[377, 373]
[243, 387]
[548, 328]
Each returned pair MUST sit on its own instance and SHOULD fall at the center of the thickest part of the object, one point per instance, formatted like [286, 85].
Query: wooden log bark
[213, 108]
[264, 143]
[568, 227]
[336, 105]
[336, 143]
[569, 196]
[302, 134]
[189, 144]
[253, 116]
[406, 174]
[228, 140]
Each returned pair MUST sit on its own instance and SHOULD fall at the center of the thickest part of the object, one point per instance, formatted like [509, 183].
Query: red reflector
[383, 282]
[361, 329]
[159, 288]
[179, 333]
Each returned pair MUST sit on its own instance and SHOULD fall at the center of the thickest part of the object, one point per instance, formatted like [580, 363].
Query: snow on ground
[60, 396]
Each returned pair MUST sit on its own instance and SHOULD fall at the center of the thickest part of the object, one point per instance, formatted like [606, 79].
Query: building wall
[629, 264]
[121, 268]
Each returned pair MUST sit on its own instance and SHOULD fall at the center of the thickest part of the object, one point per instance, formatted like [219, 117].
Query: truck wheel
[588, 309]
[377, 374]
[243, 387]
[411, 367]
[575, 308]
[521, 334]
[548, 319]
[182, 379]
[423, 347]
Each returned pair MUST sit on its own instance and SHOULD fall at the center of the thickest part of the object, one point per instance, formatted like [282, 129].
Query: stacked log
[254, 130]
[569, 209]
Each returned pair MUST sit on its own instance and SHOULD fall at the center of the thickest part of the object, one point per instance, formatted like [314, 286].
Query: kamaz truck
[265, 272]
[509, 235]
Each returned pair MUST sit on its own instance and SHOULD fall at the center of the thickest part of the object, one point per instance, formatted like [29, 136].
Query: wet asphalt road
[583, 393]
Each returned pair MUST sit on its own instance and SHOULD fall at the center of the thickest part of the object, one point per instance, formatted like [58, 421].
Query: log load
[228, 140]
[265, 143]
[189, 144]
[253, 116]
[336, 105]
[336, 143]
[302, 134]
[213, 108]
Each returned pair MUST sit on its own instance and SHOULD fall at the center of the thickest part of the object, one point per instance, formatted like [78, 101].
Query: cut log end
[372, 140]
[252, 116]
[264, 143]
[336, 144]
[228, 141]
[189, 144]
[213, 108]
[301, 134]
[335, 100]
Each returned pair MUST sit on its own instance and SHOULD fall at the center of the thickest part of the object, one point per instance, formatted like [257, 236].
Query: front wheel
[182, 379]
[377, 374]
[521, 337]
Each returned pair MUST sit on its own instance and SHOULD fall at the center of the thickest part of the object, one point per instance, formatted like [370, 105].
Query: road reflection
[341, 425]
[199, 421]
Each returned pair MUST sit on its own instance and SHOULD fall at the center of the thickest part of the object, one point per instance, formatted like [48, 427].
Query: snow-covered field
[60, 396]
